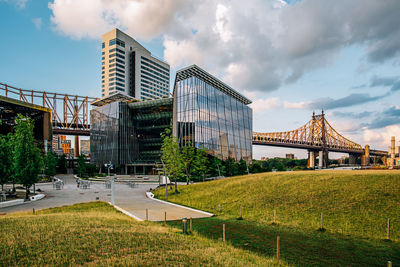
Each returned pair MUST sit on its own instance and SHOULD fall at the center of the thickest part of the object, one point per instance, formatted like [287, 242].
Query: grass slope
[355, 204]
[96, 234]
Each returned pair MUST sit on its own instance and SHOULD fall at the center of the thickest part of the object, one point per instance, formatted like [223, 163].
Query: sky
[290, 58]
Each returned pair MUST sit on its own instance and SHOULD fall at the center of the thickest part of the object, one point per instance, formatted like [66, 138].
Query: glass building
[210, 114]
[127, 132]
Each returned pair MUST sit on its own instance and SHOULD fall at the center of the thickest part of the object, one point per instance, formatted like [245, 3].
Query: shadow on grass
[302, 248]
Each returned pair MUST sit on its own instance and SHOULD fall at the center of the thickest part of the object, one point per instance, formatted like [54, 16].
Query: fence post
[223, 232]
[190, 224]
[274, 216]
[165, 218]
[277, 248]
[33, 211]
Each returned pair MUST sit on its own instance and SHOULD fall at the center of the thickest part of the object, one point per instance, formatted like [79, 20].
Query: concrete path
[133, 200]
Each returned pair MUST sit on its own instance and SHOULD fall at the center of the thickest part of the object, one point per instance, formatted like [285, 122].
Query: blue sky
[290, 59]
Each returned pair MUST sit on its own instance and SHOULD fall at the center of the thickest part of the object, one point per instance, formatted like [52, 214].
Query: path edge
[151, 196]
[126, 212]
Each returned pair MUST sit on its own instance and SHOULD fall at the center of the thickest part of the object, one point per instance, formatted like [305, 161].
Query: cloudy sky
[290, 57]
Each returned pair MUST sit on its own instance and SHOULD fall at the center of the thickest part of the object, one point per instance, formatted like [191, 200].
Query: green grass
[355, 204]
[96, 234]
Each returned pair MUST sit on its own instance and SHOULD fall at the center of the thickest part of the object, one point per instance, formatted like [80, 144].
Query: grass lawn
[96, 234]
[355, 206]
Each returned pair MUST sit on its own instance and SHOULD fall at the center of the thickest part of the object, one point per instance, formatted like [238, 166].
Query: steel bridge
[318, 137]
[70, 113]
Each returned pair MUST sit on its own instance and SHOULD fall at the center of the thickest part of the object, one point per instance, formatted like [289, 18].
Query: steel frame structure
[73, 115]
[317, 134]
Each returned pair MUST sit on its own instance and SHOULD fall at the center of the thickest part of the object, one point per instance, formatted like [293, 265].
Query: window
[102, 63]
[102, 77]
[102, 53]
[102, 95]
[121, 66]
[111, 60]
[102, 72]
[118, 50]
[102, 45]
[118, 42]
[102, 68]
[102, 58]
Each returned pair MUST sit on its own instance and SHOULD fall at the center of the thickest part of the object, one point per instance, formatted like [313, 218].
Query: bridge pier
[311, 159]
[365, 157]
[323, 159]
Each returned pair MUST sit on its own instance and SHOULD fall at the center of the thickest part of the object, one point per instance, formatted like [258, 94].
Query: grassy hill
[355, 206]
[96, 234]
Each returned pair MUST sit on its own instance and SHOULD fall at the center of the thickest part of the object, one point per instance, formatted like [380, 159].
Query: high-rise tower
[129, 68]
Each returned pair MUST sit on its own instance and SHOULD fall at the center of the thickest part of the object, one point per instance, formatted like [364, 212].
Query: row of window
[117, 49]
[153, 91]
[117, 74]
[156, 73]
[118, 55]
[155, 77]
[116, 88]
[117, 65]
[118, 79]
[117, 41]
[149, 65]
[116, 83]
[151, 85]
[163, 84]
[116, 69]
[158, 65]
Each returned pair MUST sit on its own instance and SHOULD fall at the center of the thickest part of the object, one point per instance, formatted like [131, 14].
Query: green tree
[172, 156]
[27, 160]
[6, 159]
[188, 157]
[215, 167]
[50, 163]
[81, 165]
[229, 166]
[200, 162]
[242, 167]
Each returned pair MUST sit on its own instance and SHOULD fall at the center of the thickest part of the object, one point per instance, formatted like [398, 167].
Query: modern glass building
[210, 114]
[204, 112]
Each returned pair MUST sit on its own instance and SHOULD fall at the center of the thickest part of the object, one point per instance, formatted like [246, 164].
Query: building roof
[196, 71]
[112, 98]
[151, 103]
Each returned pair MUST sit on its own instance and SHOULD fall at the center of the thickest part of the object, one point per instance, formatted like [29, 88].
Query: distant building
[290, 156]
[85, 147]
[130, 69]
[264, 158]
[61, 145]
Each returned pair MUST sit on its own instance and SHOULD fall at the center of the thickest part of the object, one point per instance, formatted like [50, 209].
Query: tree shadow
[297, 246]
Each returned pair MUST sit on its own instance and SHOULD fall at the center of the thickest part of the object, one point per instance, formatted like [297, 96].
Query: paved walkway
[133, 200]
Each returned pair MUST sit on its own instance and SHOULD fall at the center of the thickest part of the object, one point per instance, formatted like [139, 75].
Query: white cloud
[37, 22]
[255, 45]
[296, 105]
[260, 105]
[91, 18]
[380, 138]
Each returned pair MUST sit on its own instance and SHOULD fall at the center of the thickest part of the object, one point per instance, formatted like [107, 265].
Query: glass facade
[129, 133]
[209, 117]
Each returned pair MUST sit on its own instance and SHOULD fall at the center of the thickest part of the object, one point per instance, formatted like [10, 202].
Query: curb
[151, 196]
[126, 212]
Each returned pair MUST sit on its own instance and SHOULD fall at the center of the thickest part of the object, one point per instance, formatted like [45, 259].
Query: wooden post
[165, 218]
[190, 224]
[147, 214]
[322, 221]
[388, 229]
[277, 248]
[33, 211]
[275, 216]
[389, 264]
[223, 232]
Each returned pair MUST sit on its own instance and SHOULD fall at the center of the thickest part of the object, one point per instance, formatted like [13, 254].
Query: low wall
[11, 203]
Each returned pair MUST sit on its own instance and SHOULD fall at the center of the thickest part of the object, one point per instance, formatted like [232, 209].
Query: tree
[6, 163]
[172, 156]
[229, 166]
[81, 165]
[27, 160]
[188, 157]
[50, 163]
[200, 162]
[242, 167]
[216, 167]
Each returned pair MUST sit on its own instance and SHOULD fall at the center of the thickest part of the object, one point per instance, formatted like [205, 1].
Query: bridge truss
[70, 112]
[317, 135]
